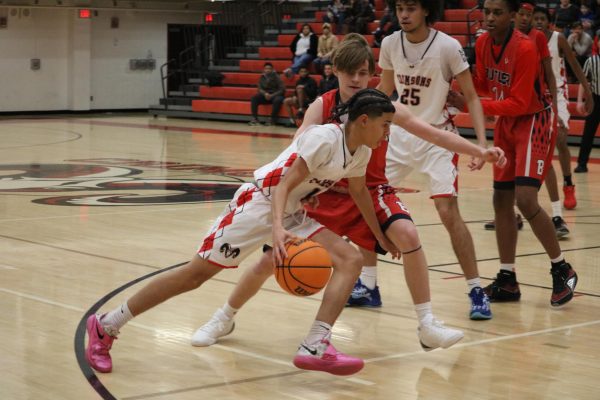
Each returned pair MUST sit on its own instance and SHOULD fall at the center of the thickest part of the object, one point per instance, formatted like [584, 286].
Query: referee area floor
[91, 208]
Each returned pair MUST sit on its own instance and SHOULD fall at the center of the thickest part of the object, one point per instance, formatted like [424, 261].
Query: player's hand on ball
[280, 238]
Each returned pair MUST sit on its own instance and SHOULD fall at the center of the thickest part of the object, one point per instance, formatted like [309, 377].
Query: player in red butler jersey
[509, 71]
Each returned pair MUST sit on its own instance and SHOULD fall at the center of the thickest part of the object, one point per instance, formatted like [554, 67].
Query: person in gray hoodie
[270, 91]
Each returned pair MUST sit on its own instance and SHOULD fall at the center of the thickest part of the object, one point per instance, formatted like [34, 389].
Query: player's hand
[268, 96]
[280, 238]
[495, 155]
[456, 99]
[476, 164]
[561, 123]
[388, 246]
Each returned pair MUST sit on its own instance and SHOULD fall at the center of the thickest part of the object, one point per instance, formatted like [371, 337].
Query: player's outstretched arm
[445, 139]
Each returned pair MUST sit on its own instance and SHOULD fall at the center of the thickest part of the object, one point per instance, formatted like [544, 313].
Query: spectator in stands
[581, 43]
[329, 81]
[304, 50]
[565, 15]
[388, 24]
[305, 93]
[270, 91]
[336, 11]
[591, 69]
[587, 18]
[327, 43]
[358, 16]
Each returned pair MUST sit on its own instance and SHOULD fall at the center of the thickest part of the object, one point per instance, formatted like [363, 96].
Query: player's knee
[351, 261]
[448, 211]
[527, 205]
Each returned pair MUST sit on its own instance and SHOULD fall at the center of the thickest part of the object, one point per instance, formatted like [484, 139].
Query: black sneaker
[491, 225]
[580, 169]
[564, 280]
[560, 226]
[504, 288]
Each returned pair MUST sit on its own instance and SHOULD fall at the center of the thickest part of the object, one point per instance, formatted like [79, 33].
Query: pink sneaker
[99, 344]
[324, 357]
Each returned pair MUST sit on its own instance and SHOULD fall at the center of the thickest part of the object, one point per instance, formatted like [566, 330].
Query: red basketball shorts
[338, 213]
[528, 142]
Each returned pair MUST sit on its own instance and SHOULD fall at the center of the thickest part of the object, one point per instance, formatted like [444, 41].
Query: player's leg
[440, 165]
[222, 322]
[505, 286]
[366, 291]
[530, 167]
[560, 227]
[240, 236]
[564, 154]
[316, 352]
[289, 103]
[431, 332]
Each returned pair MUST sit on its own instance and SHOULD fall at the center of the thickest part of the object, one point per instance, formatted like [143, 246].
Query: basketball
[306, 270]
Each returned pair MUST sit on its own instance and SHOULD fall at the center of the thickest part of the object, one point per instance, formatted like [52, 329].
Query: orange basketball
[306, 270]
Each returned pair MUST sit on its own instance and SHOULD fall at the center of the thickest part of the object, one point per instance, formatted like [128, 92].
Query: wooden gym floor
[90, 207]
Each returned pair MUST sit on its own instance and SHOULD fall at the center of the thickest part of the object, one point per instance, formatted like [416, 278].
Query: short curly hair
[433, 7]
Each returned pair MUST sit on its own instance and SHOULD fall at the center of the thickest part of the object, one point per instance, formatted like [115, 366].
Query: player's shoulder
[446, 40]
[391, 41]
[523, 42]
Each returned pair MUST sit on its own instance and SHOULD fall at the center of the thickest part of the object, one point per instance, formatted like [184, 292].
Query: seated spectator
[565, 15]
[336, 11]
[580, 42]
[387, 25]
[358, 16]
[327, 43]
[304, 50]
[329, 80]
[305, 93]
[270, 91]
[587, 19]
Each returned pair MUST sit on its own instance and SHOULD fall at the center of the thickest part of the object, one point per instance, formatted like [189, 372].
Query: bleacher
[232, 100]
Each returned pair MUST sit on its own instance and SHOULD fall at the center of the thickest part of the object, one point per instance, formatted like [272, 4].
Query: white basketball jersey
[423, 71]
[558, 62]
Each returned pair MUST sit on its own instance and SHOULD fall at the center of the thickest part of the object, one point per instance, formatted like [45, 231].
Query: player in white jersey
[420, 63]
[559, 51]
[267, 211]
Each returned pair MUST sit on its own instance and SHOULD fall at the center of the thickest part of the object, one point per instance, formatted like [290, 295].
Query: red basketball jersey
[376, 168]
[511, 73]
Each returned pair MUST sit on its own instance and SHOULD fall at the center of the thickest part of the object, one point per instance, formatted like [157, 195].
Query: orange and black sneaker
[504, 288]
[564, 280]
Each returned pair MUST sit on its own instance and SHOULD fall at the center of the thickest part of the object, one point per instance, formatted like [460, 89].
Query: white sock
[318, 331]
[113, 321]
[558, 259]
[556, 209]
[368, 277]
[473, 283]
[507, 267]
[229, 311]
[423, 310]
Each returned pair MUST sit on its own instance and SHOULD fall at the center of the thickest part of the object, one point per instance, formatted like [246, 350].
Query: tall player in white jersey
[559, 51]
[420, 63]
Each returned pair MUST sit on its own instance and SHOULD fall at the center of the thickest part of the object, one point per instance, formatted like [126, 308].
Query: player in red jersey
[354, 65]
[509, 71]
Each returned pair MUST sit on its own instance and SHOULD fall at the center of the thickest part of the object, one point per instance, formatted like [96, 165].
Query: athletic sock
[558, 261]
[229, 311]
[473, 283]
[567, 180]
[556, 209]
[318, 331]
[507, 267]
[368, 277]
[113, 321]
[423, 310]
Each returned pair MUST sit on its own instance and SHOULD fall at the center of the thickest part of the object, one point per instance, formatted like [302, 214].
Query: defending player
[420, 62]
[508, 67]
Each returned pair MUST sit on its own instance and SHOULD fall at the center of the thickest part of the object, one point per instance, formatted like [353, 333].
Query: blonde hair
[351, 54]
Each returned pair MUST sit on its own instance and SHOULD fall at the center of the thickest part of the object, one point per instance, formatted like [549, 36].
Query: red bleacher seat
[286, 40]
[251, 79]
[320, 14]
[468, 3]
[459, 15]
[231, 107]
[275, 53]
[455, 28]
[232, 92]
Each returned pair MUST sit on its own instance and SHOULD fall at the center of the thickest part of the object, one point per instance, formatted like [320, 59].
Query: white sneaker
[218, 326]
[433, 334]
